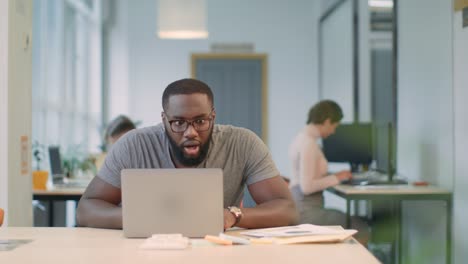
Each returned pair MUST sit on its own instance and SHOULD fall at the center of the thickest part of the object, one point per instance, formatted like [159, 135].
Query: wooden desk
[86, 245]
[397, 194]
[57, 194]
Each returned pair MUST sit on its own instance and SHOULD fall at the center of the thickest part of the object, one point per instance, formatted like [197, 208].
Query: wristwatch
[236, 212]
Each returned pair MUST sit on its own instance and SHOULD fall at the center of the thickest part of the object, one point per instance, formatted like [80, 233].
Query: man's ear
[327, 121]
[214, 114]
[163, 116]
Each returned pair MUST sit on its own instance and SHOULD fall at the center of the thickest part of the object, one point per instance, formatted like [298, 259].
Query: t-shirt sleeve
[259, 163]
[116, 160]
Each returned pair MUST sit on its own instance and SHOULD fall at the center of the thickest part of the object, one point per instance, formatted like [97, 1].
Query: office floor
[64, 214]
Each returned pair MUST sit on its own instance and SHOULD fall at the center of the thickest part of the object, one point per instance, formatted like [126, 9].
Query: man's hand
[229, 219]
[344, 175]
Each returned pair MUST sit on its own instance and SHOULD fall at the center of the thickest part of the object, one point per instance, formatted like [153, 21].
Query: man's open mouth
[192, 149]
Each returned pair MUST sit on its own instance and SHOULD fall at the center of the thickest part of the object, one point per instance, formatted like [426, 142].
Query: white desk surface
[89, 246]
[390, 189]
[60, 191]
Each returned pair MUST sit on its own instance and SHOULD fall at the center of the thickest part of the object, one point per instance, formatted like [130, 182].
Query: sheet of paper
[10, 244]
[291, 231]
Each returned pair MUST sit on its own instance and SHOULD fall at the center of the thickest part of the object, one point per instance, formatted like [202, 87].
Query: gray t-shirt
[242, 156]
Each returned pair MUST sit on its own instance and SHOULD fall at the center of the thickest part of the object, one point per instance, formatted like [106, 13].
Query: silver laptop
[165, 201]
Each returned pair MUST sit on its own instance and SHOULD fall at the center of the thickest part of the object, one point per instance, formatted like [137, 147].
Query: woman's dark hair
[323, 110]
[119, 125]
[186, 86]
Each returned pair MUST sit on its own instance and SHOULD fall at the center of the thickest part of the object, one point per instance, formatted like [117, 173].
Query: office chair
[2, 213]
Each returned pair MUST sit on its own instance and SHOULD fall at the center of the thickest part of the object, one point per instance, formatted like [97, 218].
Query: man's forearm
[278, 212]
[99, 214]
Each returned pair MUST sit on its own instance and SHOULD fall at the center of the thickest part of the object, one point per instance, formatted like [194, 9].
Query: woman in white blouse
[308, 162]
[309, 176]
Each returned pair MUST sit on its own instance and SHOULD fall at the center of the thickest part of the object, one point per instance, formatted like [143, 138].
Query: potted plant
[77, 164]
[39, 175]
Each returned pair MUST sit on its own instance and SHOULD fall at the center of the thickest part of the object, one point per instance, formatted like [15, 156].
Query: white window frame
[67, 74]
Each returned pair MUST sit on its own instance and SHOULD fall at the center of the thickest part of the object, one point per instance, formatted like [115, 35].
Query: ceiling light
[381, 3]
[182, 19]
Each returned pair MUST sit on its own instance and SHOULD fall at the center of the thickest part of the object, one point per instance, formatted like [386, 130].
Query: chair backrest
[2, 213]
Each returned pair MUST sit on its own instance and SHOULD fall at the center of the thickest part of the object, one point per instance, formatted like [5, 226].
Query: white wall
[327, 4]
[338, 66]
[117, 59]
[3, 102]
[337, 59]
[285, 30]
[460, 68]
[425, 94]
[425, 119]
[15, 111]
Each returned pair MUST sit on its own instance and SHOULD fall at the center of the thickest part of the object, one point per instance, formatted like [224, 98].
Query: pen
[218, 240]
[235, 239]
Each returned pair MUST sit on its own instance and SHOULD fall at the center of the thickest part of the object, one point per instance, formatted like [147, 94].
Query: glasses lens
[201, 124]
[179, 126]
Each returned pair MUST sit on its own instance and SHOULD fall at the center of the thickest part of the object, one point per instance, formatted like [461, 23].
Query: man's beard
[179, 155]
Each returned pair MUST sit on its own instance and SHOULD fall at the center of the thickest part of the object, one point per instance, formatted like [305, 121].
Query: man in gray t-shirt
[188, 137]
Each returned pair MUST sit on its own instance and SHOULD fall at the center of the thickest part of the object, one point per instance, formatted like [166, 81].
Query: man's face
[329, 128]
[195, 111]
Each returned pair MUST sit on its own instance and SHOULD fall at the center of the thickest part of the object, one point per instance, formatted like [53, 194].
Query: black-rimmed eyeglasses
[199, 124]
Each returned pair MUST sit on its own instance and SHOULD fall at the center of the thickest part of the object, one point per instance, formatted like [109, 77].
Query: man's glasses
[199, 124]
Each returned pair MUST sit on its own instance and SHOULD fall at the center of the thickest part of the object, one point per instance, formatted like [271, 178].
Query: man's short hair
[323, 110]
[186, 86]
[119, 125]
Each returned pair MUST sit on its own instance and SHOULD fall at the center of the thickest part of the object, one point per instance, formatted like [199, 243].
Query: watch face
[236, 211]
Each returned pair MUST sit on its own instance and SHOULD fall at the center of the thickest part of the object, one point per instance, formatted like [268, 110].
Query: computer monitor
[351, 143]
[55, 164]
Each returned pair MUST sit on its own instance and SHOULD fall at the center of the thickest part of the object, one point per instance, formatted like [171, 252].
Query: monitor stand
[354, 167]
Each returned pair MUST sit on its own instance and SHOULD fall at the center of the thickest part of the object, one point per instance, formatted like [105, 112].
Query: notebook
[168, 201]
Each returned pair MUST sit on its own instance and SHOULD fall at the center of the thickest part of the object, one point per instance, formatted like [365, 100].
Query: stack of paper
[306, 233]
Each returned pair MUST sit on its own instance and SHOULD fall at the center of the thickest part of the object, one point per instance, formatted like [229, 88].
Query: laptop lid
[165, 201]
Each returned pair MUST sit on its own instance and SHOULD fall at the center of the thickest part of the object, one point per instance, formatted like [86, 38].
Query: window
[67, 75]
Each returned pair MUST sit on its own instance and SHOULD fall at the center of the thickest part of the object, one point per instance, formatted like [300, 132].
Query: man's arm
[99, 206]
[275, 206]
